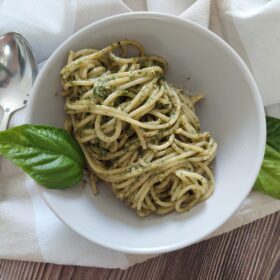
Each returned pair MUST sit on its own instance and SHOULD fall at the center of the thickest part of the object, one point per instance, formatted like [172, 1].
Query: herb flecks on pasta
[138, 132]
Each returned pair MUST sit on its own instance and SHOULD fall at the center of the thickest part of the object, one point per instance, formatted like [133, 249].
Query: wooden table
[250, 252]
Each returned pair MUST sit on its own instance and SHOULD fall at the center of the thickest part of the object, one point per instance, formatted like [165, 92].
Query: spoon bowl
[18, 70]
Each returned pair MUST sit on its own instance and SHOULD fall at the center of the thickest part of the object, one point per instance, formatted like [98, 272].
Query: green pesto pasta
[138, 132]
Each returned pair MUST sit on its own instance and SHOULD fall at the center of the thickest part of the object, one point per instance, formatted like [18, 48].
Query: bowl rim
[253, 91]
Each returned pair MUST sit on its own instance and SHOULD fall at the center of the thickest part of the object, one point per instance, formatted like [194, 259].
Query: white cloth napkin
[28, 229]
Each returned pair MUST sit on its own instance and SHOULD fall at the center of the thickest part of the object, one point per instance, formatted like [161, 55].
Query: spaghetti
[138, 132]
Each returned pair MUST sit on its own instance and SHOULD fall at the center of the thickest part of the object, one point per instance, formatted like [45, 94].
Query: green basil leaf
[49, 155]
[268, 180]
[273, 132]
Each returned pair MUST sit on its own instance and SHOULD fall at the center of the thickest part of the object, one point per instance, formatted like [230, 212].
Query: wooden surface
[250, 252]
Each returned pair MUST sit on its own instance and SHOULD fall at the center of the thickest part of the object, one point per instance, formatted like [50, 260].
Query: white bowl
[232, 111]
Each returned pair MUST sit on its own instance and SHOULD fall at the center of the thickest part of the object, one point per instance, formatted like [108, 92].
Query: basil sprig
[49, 155]
[268, 180]
[53, 158]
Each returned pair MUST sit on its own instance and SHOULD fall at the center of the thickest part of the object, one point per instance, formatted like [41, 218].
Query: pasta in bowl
[138, 132]
[231, 111]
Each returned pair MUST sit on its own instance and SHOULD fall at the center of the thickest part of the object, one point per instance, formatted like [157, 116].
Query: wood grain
[250, 252]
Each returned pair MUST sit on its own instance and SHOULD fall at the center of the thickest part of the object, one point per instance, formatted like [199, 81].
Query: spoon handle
[3, 126]
[5, 121]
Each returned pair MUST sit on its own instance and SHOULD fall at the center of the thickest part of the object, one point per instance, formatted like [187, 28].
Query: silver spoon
[18, 70]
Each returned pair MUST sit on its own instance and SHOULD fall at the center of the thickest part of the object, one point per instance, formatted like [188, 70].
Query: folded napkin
[28, 229]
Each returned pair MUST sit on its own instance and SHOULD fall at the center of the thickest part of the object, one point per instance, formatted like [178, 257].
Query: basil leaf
[49, 155]
[273, 132]
[268, 180]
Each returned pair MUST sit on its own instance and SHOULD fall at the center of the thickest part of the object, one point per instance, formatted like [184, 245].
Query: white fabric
[28, 229]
